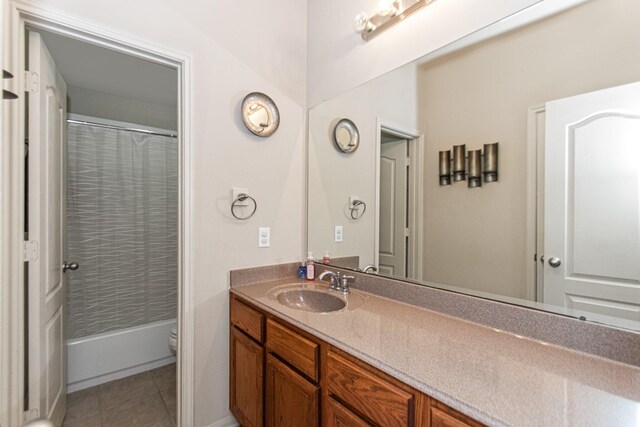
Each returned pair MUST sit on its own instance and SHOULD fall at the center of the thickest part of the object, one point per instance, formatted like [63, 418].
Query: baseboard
[229, 421]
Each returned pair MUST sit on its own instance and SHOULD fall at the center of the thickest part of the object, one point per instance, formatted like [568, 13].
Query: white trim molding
[229, 421]
[19, 15]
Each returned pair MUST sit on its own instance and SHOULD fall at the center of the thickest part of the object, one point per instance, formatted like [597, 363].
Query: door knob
[555, 262]
[71, 266]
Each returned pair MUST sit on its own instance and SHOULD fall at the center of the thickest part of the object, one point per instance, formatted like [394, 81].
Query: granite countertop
[498, 378]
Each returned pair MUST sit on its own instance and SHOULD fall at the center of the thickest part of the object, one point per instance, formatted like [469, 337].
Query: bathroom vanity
[282, 375]
[379, 361]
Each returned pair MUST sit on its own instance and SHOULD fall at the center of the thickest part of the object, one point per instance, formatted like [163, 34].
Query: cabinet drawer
[301, 353]
[247, 319]
[339, 416]
[371, 396]
[443, 416]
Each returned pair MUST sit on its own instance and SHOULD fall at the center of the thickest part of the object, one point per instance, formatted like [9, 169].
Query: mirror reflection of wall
[482, 240]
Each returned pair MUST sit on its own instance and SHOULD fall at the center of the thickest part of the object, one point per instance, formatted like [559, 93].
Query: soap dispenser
[311, 268]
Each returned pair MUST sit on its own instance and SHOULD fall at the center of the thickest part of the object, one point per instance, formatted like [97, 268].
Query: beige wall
[97, 104]
[475, 238]
[340, 60]
[236, 48]
[334, 176]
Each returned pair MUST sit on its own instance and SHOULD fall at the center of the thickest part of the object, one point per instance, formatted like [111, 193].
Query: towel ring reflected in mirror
[241, 198]
[260, 114]
[346, 136]
[355, 209]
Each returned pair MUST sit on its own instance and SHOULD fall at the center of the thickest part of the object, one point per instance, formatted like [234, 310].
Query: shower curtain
[122, 222]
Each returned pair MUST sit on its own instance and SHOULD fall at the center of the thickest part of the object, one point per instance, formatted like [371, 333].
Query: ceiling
[91, 67]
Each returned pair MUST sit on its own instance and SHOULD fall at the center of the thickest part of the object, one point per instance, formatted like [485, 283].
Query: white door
[46, 166]
[592, 203]
[393, 208]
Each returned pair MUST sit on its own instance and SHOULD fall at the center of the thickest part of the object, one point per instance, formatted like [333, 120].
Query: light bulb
[360, 22]
[387, 7]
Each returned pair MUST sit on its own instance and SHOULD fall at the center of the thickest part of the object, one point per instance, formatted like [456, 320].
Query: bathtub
[117, 354]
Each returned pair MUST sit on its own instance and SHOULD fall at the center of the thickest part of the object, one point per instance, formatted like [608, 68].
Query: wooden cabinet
[339, 416]
[441, 415]
[246, 379]
[296, 380]
[367, 393]
[298, 351]
[292, 401]
[247, 319]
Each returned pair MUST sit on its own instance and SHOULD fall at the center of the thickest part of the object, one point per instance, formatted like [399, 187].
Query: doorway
[102, 202]
[398, 249]
[15, 404]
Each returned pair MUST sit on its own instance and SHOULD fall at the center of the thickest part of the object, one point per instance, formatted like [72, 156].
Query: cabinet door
[246, 379]
[339, 416]
[291, 400]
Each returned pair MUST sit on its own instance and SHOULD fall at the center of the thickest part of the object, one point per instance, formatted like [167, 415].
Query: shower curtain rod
[100, 125]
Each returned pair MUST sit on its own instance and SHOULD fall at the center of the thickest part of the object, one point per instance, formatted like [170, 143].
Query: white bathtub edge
[106, 357]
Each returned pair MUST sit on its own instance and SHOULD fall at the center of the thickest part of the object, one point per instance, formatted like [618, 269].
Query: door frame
[19, 16]
[416, 153]
[535, 204]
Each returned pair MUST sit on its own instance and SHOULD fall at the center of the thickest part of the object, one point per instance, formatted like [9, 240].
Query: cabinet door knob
[555, 262]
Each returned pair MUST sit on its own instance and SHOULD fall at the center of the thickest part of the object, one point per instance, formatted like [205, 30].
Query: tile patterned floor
[147, 399]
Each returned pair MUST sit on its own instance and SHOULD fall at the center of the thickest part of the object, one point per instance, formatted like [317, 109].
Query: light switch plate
[338, 235]
[264, 237]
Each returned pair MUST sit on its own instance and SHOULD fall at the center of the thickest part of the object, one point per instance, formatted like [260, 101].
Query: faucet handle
[345, 283]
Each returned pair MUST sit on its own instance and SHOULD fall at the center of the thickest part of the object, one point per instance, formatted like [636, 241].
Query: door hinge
[407, 161]
[31, 414]
[407, 232]
[31, 81]
[30, 250]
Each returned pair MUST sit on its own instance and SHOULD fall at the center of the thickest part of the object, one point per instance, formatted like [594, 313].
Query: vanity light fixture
[470, 166]
[389, 13]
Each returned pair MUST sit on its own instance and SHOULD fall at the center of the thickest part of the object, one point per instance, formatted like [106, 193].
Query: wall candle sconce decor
[490, 165]
[472, 167]
[389, 13]
[459, 160]
[475, 177]
[444, 168]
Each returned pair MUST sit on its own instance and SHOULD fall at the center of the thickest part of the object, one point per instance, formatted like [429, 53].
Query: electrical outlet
[338, 236]
[264, 237]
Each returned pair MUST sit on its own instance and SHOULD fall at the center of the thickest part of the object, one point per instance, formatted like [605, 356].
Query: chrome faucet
[345, 284]
[370, 268]
[338, 282]
[335, 279]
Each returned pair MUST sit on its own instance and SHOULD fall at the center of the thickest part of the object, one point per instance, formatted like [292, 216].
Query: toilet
[173, 340]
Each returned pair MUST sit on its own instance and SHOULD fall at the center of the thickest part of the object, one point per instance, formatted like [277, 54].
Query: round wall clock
[346, 136]
[260, 114]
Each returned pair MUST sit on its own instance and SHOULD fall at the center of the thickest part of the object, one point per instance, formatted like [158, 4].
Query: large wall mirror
[560, 229]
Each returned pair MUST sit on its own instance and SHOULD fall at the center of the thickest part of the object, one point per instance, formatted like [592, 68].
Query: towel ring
[354, 209]
[241, 198]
